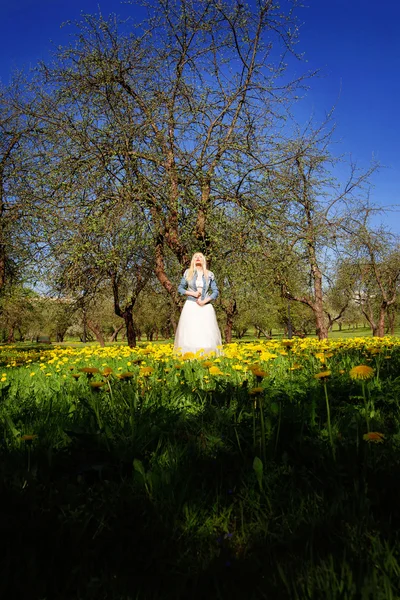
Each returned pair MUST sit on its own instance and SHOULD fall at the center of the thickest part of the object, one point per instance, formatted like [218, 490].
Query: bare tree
[174, 115]
[306, 214]
[376, 267]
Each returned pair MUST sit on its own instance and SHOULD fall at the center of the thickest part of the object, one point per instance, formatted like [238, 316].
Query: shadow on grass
[179, 512]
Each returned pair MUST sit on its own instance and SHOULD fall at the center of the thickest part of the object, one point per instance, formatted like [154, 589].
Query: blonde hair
[192, 268]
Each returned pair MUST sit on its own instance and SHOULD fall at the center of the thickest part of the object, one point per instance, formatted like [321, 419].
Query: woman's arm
[214, 292]
[183, 288]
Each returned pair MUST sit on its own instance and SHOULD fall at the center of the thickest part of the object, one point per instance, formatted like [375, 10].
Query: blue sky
[354, 43]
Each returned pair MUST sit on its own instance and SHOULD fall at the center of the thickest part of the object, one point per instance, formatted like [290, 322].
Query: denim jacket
[209, 290]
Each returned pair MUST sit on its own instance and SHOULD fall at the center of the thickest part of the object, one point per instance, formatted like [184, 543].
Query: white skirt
[198, 329]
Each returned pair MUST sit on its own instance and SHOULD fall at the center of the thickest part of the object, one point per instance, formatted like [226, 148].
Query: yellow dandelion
[361, 372]
[89, 370]
[188, 356]
[374, 436]
[320, 356]
[97, 384]
[207, 363]
[107, 371]
[288, 344]
[126, 375]
[323, 375]
[257, 371]
[256, 391]
[146, 371]
[215, 371]
[32, 374]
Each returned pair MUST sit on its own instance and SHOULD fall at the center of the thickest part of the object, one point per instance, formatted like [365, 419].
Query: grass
[176, 481]
[335, 334]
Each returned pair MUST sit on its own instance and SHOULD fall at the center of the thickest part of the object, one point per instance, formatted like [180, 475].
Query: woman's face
[198, 260]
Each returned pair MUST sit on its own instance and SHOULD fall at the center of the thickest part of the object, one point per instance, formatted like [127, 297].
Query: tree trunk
[127, 313]
[370, 319]
[321, 329]
[228, 330]
[230, 311]
[113, 337]
[130, 329]
[11, 331]
[380, 327]
[95, 327]
[161, 273]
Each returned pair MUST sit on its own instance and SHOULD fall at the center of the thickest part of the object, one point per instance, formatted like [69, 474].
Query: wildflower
[146, 371]
[361, 372]
[107, 371]
[374, 436]
[32, 374]
[288, 344]
[323, 375]
[320, 356]
[89, 370]
[256, 390]
[28, 438]
[96, 385]
[188, 356]
[257, 371]
[76, 375]
[215, 371]
[207, 363]
[267, 355]
[126, 375]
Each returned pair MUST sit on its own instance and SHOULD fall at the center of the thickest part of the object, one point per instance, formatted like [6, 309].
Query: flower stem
[365, 405]
[328, 411]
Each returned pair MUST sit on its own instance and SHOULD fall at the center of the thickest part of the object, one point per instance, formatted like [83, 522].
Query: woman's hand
[202, 302]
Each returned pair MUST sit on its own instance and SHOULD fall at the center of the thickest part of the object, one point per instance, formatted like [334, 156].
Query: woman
[198, 329]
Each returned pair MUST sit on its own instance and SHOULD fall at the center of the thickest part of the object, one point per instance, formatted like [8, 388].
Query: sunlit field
[272, 471]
